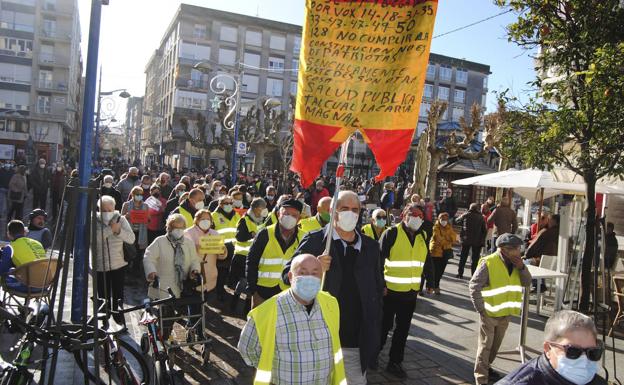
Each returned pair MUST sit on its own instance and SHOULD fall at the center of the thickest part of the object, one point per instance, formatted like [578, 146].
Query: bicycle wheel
[162, 374]
[135, 366]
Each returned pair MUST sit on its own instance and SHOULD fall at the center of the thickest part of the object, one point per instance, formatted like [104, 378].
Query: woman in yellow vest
[224, 220]
[496, 293]
[295, 331]
[377, 226]
[441, 245]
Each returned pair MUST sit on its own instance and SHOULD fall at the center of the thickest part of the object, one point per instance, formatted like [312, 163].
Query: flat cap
[295, 204]
[508, 240]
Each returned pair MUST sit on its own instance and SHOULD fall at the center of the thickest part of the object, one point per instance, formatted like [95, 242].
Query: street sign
[241, 148]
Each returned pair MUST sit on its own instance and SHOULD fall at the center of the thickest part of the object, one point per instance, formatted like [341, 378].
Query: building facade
[40, 79]
[134, 124]
[262, 54]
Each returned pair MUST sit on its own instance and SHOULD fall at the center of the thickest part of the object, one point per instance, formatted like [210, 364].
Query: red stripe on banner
[311, 149]
[390, 148]
[388, 3]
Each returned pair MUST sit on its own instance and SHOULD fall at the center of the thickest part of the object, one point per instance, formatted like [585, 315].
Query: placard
[138, 216]
[212, 244]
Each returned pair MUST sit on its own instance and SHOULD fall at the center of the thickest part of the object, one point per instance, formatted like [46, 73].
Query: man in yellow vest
[246, 230]
[379, 224]
[20, 251]
[273, 247]
[319, 220]
[404, 252]
[496, 293]
[293, 337]
[224, 220]
[189, 207]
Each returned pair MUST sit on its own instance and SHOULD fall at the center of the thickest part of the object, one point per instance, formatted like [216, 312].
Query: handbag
[129, 252]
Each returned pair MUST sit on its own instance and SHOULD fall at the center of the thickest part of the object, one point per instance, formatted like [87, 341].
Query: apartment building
[134, 122]
[175, 93]
[40, 79]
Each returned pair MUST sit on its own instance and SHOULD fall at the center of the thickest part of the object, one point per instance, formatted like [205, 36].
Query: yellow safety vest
[503, 296]
[26, 250]
[273, 260]
[265, 320]
[403, 269]
[271, 219]
[226, 227]
[370, 231]
[188, 218]
[309, 224]
[242, 248]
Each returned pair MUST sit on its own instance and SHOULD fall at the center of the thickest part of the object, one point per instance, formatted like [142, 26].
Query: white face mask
[288, 222]
[107, 216]
[444, 223]
[199, 205]
[414, 223]
[107, 185]
[237, 203]
[204, 224]
[347, 220]
[264, 213]
[177, 233]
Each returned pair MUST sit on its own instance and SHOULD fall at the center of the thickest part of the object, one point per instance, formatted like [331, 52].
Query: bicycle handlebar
[148, 304]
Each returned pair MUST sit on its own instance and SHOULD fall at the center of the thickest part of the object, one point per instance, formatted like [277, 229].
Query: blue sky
[132, 29]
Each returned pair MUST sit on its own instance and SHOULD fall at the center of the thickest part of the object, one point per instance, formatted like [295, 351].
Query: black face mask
[133, 177]
[156, 195]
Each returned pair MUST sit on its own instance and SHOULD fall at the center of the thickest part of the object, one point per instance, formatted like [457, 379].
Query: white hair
[348, 194]
[376, 212]
[565, 321]
[106, 200]
[133, 169]
[174, 218]
[109, 178]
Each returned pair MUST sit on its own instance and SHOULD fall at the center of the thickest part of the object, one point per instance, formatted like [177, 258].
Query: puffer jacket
[473, 229]
[442, 239]
[109, 254]
[538, 371]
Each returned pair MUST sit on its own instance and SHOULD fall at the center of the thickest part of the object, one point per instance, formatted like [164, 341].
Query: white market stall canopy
[529, 182]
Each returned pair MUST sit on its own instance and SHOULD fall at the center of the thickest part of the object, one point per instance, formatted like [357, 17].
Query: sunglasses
[573, 352]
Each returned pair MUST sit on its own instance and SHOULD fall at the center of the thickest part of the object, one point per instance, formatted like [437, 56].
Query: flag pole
[342, 162]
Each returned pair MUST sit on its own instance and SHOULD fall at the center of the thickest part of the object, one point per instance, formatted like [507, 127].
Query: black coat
[473, 228]
[369, 277]
[538, 371]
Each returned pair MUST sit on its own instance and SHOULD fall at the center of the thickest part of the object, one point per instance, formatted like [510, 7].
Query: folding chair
[618, 283]
[38, 277]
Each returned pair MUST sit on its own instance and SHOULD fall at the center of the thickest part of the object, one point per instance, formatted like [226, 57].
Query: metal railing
[9, 52]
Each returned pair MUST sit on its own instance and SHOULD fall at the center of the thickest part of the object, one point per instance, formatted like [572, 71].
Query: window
[431, 70]
[424, 108]
[428, 93]
[278, 42]
[276, 64]
[194, 51]
[15, 100]
[16, 47]
[229, 34]
[199, 31]
[274, 87]
[297, 45]
[483, 100]
[189, 99]
[293, 88]
[227, 56]
[421, 128]
[250, 83]
[17, 21]
[253, 38]
[43, 104]
[461, 76]
[443, 93]
[446, 73]
[49, 27]
[457, 113]
[15, 73]
[485, 82]
[45, 79]
[252, 59]
[460, 96]
[295, 67]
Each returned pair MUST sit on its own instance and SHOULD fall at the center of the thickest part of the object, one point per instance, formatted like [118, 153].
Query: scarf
[256, 220]
[178, 260]
[141, 227]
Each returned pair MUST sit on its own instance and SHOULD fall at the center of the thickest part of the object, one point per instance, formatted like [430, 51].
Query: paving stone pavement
[440, 349]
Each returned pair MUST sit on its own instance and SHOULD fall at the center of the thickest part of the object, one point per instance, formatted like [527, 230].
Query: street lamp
[123, 93]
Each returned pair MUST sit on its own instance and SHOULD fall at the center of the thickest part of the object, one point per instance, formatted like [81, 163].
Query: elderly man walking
[293, 338]
[352, 275]
[496, 293]
[125, 185]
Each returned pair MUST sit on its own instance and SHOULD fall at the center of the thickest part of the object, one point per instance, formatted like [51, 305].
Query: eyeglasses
[573, 352]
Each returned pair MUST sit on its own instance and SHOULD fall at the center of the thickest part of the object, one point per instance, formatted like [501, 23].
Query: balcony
[8, 24]
[51, 59]
[193, 84]
[51, 85]
[56, 10]
[55, 35]
[8, 52]
[11, 79]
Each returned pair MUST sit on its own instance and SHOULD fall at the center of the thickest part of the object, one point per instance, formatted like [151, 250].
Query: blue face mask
[306, 287]
[380, 223]
[580, 371]
[138, 198]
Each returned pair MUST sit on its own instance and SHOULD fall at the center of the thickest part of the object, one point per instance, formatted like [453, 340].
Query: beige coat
[112, 245]
[158, 259]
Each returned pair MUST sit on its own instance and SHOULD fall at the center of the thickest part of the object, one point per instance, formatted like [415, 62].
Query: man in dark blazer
[354, 276]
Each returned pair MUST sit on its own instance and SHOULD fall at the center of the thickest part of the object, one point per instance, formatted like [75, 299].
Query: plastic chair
[38, 277]
[618, 283]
